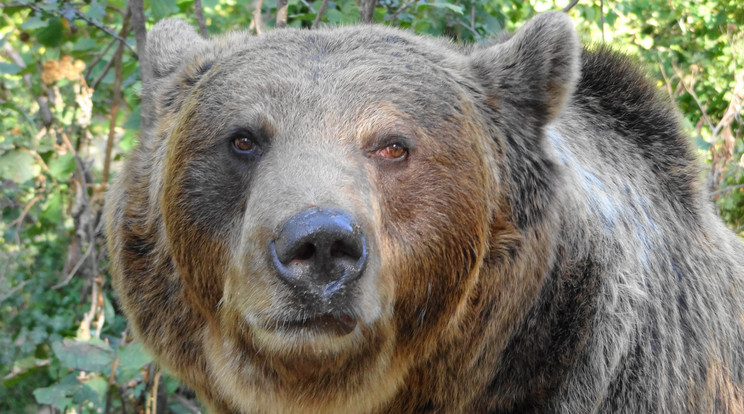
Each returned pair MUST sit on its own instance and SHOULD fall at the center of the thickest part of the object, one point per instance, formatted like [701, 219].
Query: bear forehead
[350, 65]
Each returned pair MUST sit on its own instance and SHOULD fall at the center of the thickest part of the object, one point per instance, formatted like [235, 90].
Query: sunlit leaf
[51, 35]
[9, 68]
[61, 167]
[90, 355]
[17, 165]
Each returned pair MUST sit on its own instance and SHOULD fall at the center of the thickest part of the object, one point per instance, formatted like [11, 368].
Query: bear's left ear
[536, 70]
[169, 44]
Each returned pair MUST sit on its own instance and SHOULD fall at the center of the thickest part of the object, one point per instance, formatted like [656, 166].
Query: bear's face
[308, 129]
[327, 209]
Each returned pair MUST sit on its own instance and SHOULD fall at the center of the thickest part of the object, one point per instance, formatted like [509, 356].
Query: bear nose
[319, 251]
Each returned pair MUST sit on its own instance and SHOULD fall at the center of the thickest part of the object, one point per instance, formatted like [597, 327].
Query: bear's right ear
[535, 71]
[169, 44]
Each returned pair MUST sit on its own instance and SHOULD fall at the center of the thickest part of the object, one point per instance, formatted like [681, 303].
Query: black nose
[319, 251]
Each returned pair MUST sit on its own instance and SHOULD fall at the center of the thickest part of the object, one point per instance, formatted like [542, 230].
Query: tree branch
[570, 6]
[98, 58]
[692, 93]
[258, 22]
[319, 14]
[80, 15]
[137, 8]
[116, 99]
[199, 14]
[367, 11]
[726, 189]
[282, 8]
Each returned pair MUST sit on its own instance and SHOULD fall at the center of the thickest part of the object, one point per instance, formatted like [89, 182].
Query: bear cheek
[201, 204]
[433, 236]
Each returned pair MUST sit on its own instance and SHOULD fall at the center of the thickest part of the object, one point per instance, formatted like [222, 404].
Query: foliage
[68, 82]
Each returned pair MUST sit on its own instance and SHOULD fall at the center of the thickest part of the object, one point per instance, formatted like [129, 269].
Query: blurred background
[70, 111]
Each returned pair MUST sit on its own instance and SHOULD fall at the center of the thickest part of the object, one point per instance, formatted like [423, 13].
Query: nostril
[341, 249]
[305, 252]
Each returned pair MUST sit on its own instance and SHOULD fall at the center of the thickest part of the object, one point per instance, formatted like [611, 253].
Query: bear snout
[319, 253]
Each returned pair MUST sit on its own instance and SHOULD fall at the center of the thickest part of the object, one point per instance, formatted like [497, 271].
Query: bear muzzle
[319, 254]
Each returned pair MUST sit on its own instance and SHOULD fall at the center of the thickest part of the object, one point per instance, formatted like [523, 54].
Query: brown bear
[361, 220]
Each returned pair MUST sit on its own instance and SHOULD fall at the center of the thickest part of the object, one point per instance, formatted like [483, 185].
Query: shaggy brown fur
[542, 244]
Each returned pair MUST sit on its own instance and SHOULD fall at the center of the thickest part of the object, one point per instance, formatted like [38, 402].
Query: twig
[98, 58]
[726, 189]
[319, 15]
[103, 74]
[37, 157]
[734, 107]
[399, 11]
[258, 19]
[74, 269]
[667, 82]
[18, 372]
[108, 31]
[111, 384]
[19, 220]
[117, 59]
[692, 93]
[282, 8]
[124, 32]
[459, 23]
[188, 404]
[570, 6]
[153, 405]
[472, 18]
[199, 14]
[9, 294]
[137, 8]
[80, 15]
[86, 202]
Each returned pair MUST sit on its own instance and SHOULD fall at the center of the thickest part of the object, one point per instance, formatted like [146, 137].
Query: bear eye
[394, 152]
[245, 145]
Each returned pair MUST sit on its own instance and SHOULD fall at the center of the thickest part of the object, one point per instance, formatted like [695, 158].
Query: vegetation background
[70, 109]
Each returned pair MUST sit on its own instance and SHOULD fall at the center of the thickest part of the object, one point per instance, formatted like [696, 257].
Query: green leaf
[108, 309]
[702, 144]
[88, 393]
[56, 395]
[131, 359]
[492, 24]
[33, 23]
[95, 11]
[441, 5]
[128, 140]
[9, 68]
[17, 165]
[52, 209]
[334, 16]
[52, 34]
[162, 8]
[61, 167]
[134, 119]
[93, 355]
[84, 43]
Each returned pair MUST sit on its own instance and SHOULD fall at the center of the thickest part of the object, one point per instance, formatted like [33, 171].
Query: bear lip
[340, 325]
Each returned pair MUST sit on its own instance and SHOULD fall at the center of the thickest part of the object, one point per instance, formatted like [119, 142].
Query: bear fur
[537, 237]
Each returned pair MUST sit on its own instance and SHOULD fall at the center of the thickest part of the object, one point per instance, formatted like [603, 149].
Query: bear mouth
[338, 325]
